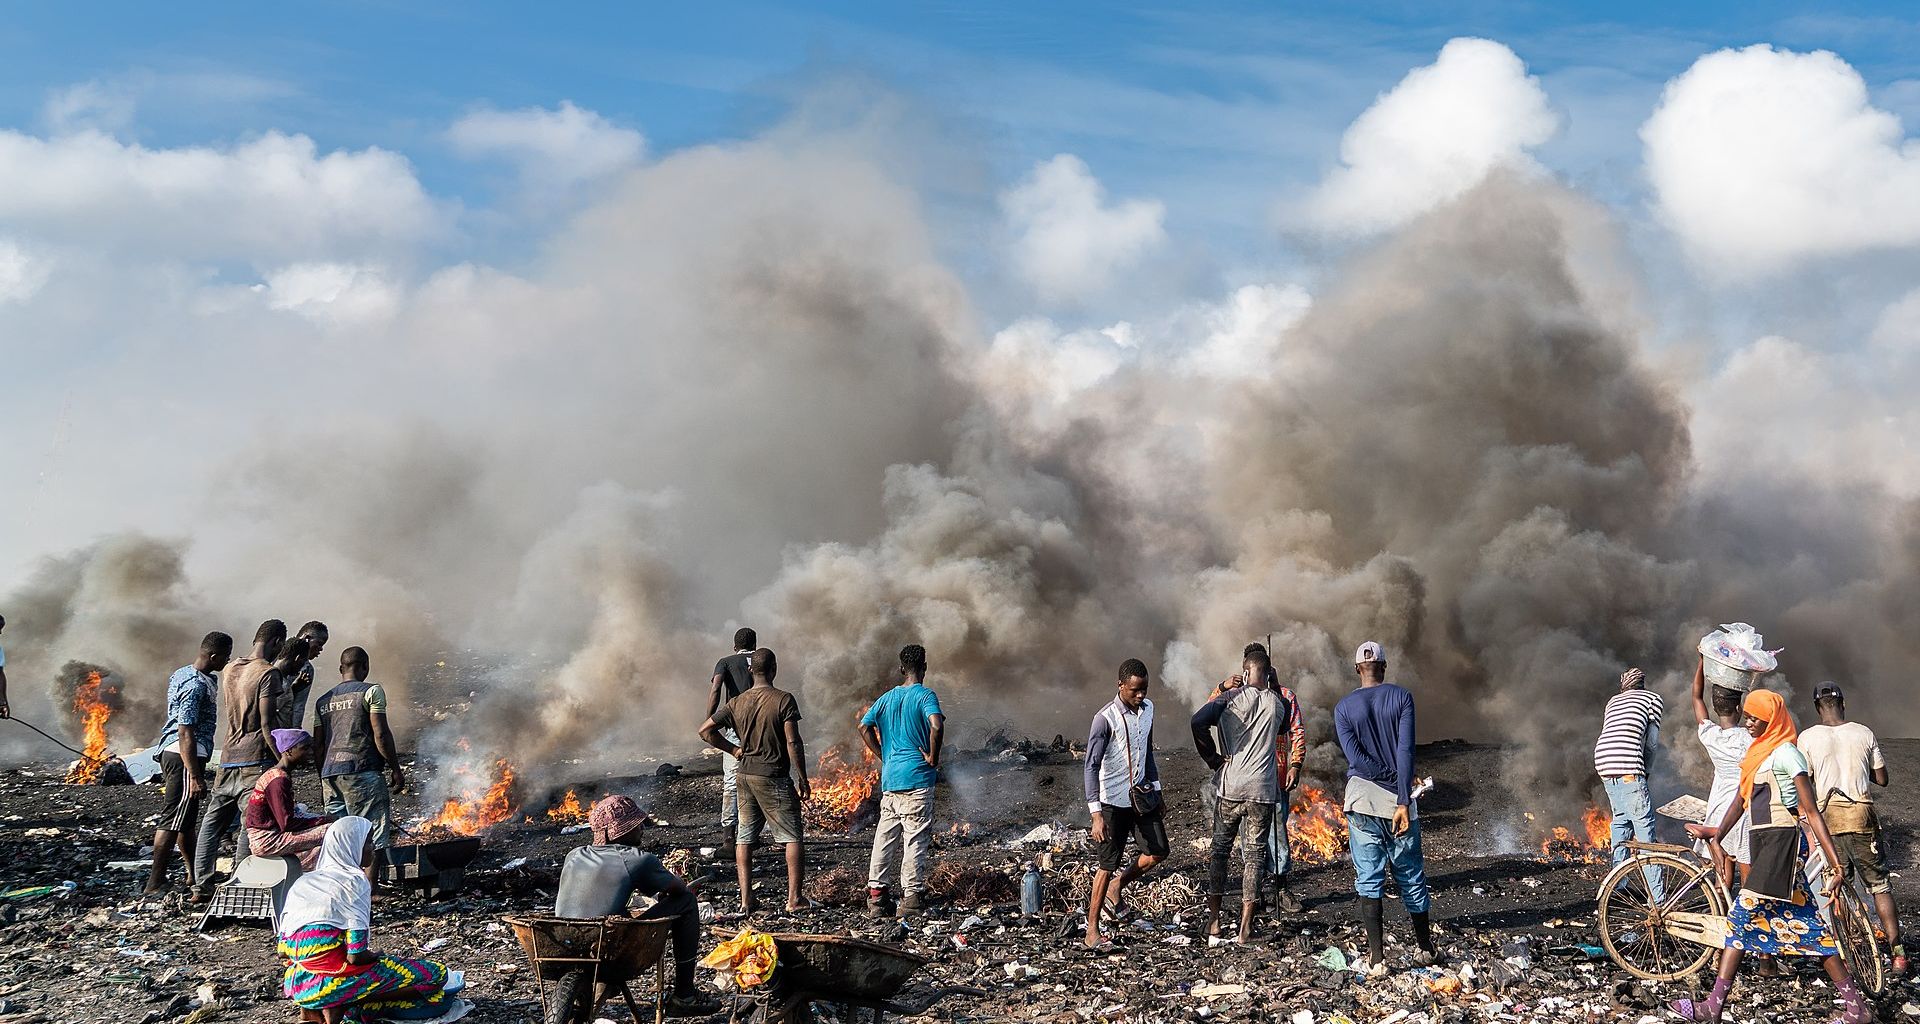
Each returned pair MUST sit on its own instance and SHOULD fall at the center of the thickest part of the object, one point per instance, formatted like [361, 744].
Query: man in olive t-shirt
[767, 720]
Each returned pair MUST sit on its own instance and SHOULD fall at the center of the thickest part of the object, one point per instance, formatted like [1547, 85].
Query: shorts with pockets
[1125, 822]
[179, 812]
[772, 800]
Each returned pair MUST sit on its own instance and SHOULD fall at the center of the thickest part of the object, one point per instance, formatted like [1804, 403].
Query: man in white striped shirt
[1629, 732]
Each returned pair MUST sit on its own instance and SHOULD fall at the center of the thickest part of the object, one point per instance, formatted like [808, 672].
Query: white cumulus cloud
[21, 275]
[1432, 137]
[1762, 158]
[335, 294]
[266, 200]
[1069, 241]
[552, 149]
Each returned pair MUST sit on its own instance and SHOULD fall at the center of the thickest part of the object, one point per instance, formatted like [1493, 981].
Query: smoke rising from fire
[745, 389]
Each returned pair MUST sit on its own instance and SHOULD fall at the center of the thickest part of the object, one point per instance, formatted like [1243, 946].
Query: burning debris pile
[96, 696]
[1592, 845]
[477, 809]
[846, 797]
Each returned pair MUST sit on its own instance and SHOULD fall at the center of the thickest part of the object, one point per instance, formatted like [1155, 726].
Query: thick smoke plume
[745, 390]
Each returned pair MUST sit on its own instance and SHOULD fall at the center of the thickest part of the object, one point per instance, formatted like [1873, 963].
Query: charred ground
[100, 953]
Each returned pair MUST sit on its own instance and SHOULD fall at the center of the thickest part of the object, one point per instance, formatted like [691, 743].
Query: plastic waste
[1032, 891]
[747, 959]
[1735, 657]
[1333, 959]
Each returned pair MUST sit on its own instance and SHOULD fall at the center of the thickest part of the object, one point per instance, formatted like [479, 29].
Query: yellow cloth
[749, 957]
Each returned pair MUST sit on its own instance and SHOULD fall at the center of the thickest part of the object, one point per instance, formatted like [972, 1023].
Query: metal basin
[844, 966]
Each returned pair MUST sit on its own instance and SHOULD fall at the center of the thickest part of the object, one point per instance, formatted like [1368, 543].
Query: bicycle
[1674, 937]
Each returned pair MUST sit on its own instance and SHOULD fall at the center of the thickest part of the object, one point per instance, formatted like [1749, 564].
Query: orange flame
[1562, 845]
[568, 811]
[93, 713]
[841, 791]
[1316, 828]
[471, 815]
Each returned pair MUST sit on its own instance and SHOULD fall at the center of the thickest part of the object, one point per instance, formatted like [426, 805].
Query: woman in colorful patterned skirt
[333, 974]
[1773, 913]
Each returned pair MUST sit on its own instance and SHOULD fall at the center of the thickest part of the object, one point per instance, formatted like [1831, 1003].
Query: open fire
[845, 795]
[475, 811]
[1316, 827]
[92, 708]
[1592, 844]
[567, 811]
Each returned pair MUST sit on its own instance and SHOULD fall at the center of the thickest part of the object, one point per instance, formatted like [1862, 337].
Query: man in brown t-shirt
[767, 720]
[251, 691]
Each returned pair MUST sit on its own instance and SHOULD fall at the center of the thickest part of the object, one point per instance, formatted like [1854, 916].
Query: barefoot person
[904, 729]
[767, 720]
[1375, 726]
[731, 677]
[325, 934]
[1249, 718]
[1773, 913]
[1123, 796]
[185, 743]
[1846, 761]
[601, 880]
[275, 826]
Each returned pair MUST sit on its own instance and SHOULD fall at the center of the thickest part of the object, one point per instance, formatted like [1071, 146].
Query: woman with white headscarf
[332, 967]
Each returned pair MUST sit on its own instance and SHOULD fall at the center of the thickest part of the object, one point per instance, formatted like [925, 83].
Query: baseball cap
[1369, 651]
[1828, 691]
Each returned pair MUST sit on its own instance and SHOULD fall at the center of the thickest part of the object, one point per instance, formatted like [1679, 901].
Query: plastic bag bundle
[1736, 657]
[747, 960]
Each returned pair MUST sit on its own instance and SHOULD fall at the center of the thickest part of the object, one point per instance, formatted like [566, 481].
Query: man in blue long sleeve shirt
[1375, 727]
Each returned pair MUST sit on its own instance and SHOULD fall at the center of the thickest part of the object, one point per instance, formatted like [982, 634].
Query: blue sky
[1163, 99]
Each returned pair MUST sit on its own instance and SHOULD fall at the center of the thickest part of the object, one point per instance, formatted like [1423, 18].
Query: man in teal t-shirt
[903, 728]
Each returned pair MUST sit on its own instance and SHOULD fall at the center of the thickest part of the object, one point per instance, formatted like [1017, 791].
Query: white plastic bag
[1736, 656]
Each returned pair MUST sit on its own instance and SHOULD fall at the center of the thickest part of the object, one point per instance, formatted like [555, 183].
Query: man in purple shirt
[1375, 727]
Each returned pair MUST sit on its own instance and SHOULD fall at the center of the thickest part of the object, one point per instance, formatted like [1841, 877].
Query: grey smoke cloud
[744, 389]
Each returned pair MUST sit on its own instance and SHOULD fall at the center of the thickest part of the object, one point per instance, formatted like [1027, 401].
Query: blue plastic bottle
[1031, 887]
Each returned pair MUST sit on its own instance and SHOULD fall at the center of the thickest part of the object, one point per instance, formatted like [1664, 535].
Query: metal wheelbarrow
[585, 961]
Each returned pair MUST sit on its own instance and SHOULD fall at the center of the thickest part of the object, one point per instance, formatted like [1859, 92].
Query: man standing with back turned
[731, 677]
[359, 768]
[1629, 732]
[904, 729]
[767, 721]
[1845, 758]
[251, 692]
[1375, 727]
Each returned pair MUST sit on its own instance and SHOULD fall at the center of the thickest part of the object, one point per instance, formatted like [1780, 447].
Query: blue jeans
[1279, 854]
[1376, 850]
[1632, 819]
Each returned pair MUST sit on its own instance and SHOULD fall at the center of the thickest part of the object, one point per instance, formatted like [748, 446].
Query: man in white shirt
[1845, 758]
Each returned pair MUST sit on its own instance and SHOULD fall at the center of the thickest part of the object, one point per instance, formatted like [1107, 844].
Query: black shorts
[178, 813]
[1123, 822]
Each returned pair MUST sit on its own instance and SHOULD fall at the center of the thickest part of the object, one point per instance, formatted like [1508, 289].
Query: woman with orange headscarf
[1773, 913]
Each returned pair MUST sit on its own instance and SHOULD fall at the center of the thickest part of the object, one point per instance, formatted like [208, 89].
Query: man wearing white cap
[1375, 727]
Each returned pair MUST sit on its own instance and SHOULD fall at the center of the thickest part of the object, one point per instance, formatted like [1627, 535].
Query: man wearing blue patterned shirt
[193, 711]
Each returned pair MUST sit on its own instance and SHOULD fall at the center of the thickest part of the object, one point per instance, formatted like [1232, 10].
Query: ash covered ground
[101, 953]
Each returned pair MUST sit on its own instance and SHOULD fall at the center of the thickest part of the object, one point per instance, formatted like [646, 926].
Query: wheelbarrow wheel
[566, 1000]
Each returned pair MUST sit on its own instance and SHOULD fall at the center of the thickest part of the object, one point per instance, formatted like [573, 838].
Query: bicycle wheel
[1859, 943]
[1632, 928]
